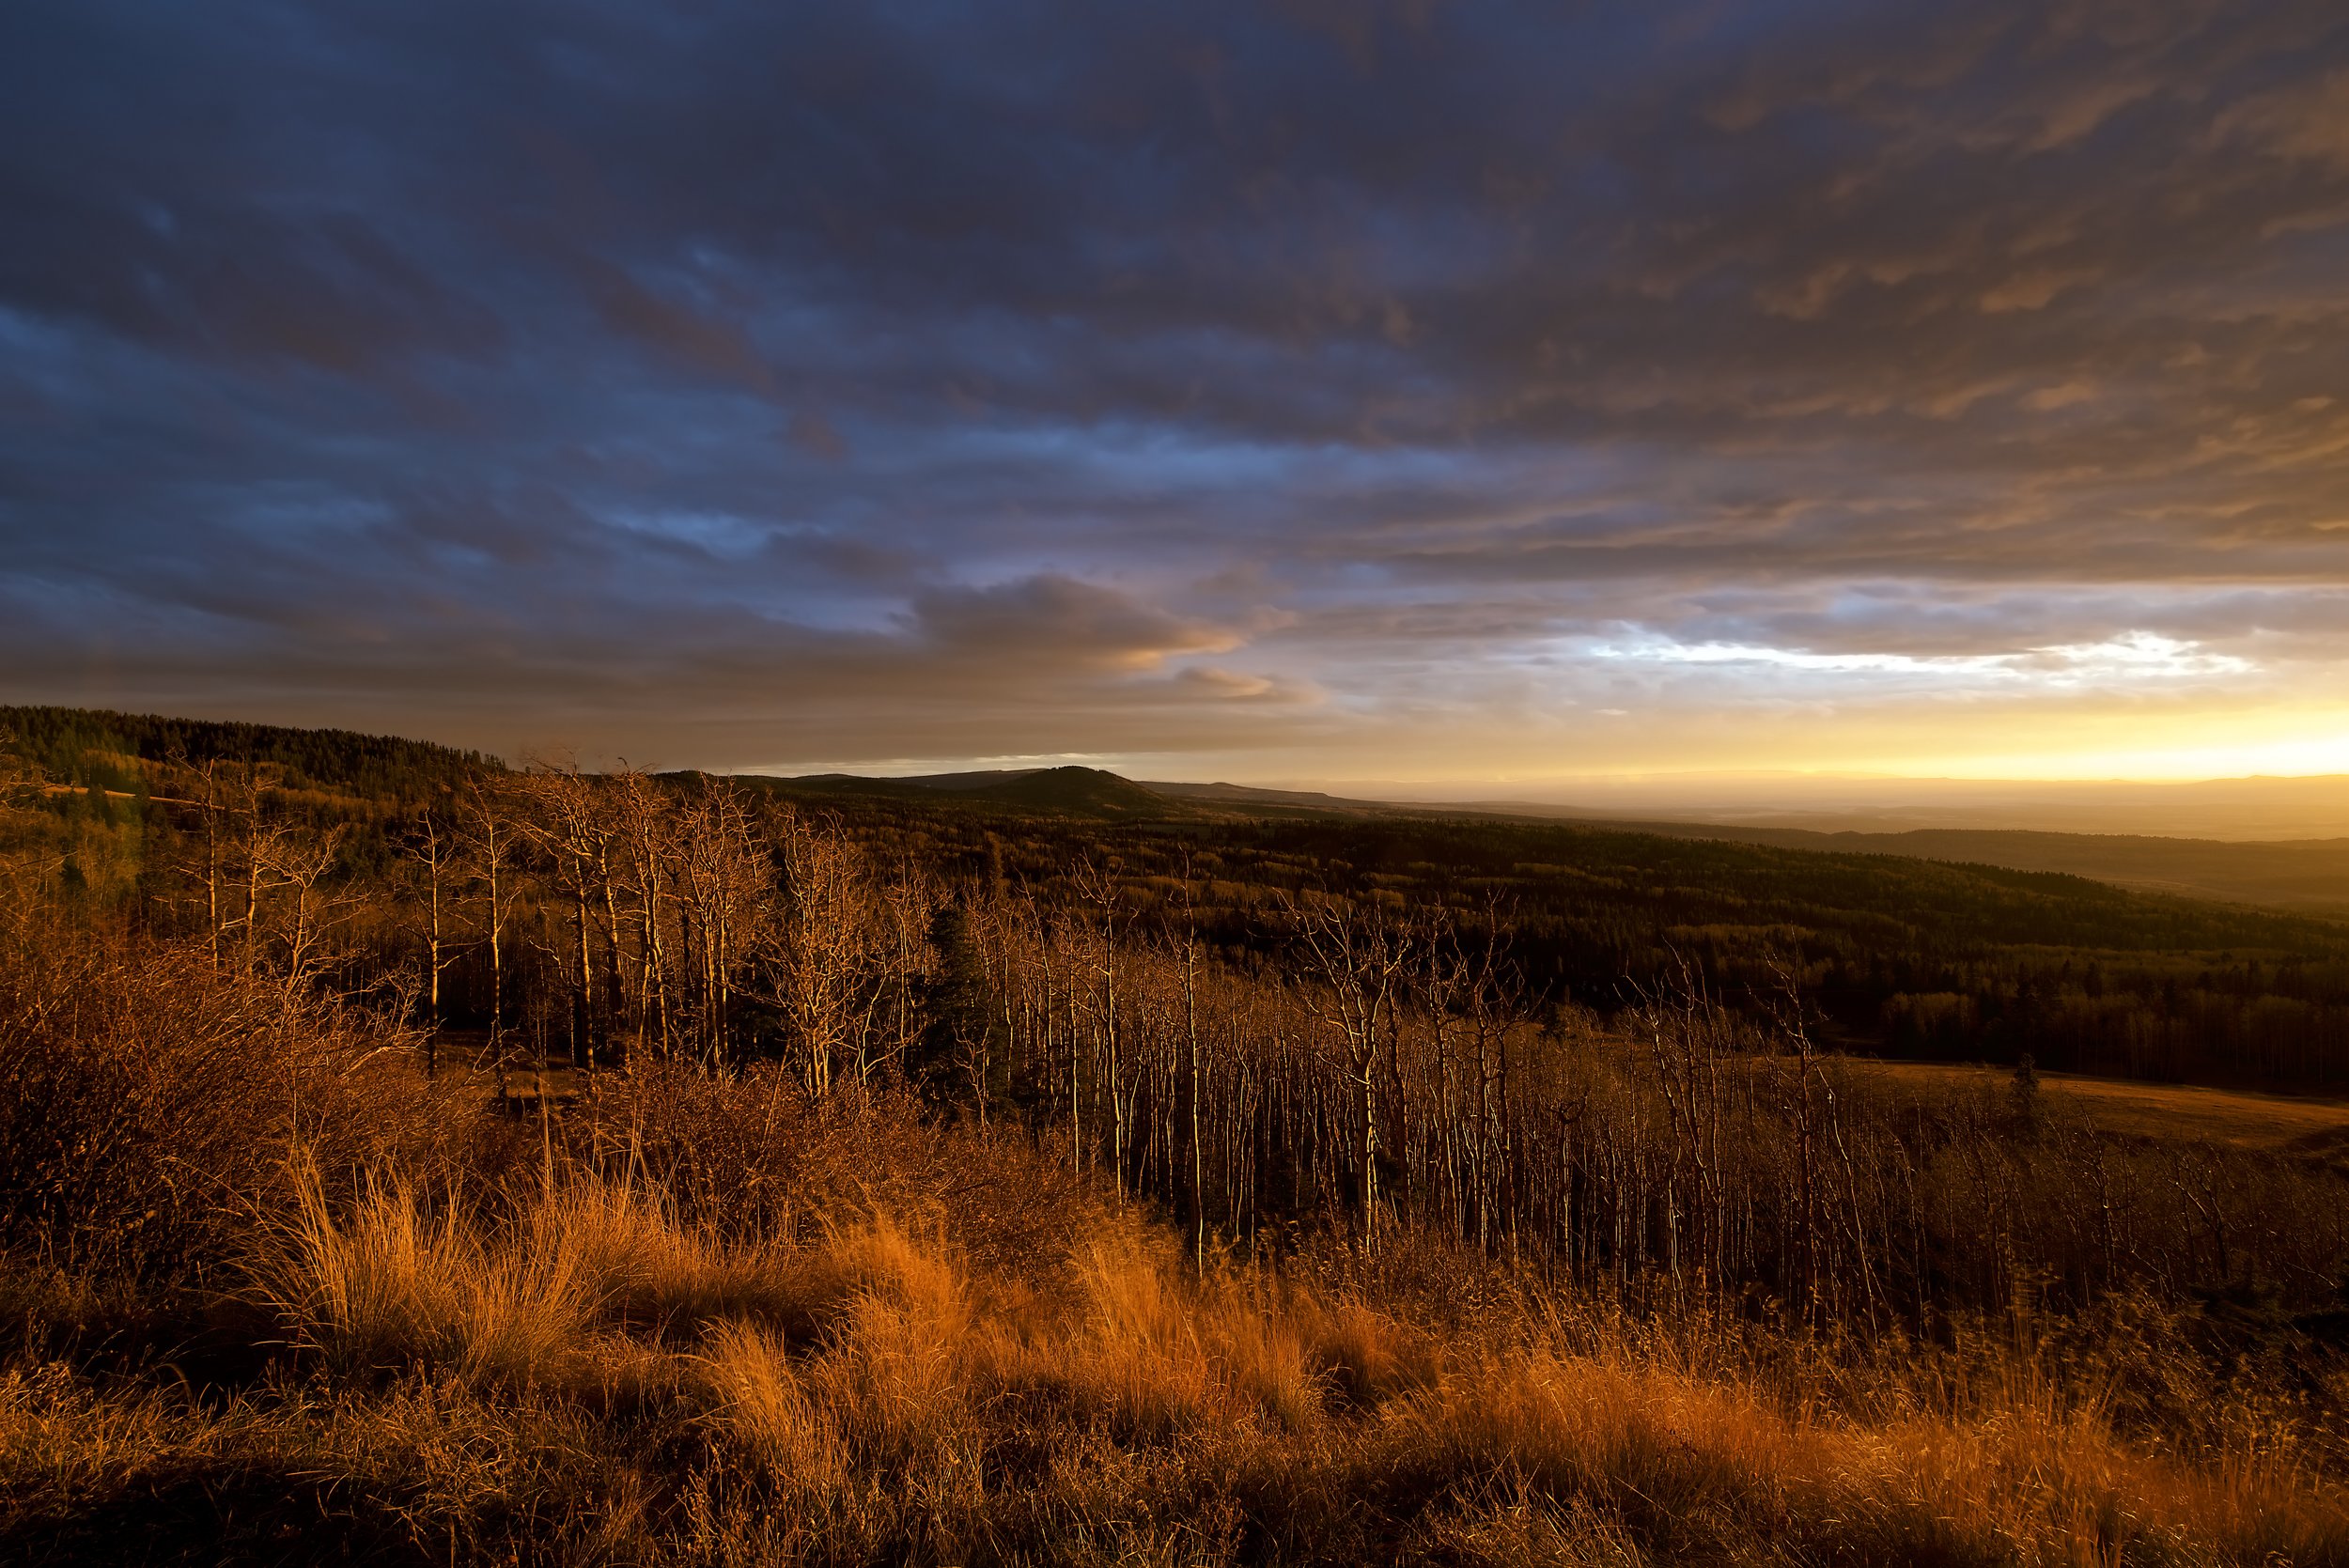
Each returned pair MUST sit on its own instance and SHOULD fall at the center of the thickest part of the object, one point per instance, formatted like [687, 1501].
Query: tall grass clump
[502, 1289]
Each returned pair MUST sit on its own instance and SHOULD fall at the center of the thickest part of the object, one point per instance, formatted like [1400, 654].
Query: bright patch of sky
[2134, 656]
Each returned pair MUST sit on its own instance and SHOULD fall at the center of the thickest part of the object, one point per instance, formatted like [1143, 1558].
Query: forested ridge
[93, 746]
[2303, 874]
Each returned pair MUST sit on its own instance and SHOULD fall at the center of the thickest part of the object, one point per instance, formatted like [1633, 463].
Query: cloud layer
[1293, 390]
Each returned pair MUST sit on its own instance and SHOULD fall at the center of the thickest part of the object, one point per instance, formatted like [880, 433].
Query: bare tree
[1362, 952]
[724, 876]
[1097, 887]
[491, 848]
[568, 823]
[819, 957]
[435, 848]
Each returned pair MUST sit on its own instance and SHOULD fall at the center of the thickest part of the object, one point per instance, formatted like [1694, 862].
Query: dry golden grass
[867, 1395]
[574, 1374]
[763, 1405]
[391, 1280]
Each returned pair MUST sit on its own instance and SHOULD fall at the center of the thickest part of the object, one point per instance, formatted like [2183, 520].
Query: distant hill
[2301, 874]
[2311, 874]
[1084, 791]
[2256, 808]
[86, 746]
[1070, 791]
[2306, 874]
[1285, 799]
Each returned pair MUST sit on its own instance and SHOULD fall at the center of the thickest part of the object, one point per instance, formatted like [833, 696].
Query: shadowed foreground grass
[574, 1374]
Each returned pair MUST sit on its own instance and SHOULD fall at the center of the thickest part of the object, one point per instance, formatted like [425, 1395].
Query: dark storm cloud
[768, 381]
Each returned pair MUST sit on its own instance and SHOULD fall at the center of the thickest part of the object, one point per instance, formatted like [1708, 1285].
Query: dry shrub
[1135, 1358]
[1663, 1450]
[1155, 1355]
[2063, 1486]
[59, 1432]
[589, 1366]
[391, 1279]
[421, 1470]
[149, 1103]
[881, 1260]
[1515, 1529]
[1693, 1465]
[1137, 1412]
[651, 1272]
[393, 1282]
[753, 1153]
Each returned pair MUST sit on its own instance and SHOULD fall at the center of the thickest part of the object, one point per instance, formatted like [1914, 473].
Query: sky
[1305, 392]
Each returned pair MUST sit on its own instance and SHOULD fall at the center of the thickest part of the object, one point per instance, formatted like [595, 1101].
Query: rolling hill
[1073, 791]
[2305, 875]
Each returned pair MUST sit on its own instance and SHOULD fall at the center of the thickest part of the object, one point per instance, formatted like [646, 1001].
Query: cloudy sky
[1283, 391]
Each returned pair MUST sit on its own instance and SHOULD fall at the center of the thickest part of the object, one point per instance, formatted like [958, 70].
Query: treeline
[84, 746]
[1262, 1043]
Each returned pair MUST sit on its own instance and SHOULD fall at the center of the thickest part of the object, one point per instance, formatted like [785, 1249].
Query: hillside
[1900, 955]
[79, 747]
[611, 1168]
[90, 746]
[1088, 792]
[1287, 801]
[2308, 874]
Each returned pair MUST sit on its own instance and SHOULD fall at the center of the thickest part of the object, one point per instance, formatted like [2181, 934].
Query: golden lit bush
[149, 1103]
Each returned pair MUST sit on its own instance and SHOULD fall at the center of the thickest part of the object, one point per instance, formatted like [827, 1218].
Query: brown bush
[149, 1104]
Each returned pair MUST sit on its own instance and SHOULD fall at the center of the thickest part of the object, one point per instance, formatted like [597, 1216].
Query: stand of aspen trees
[1362, 1066]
